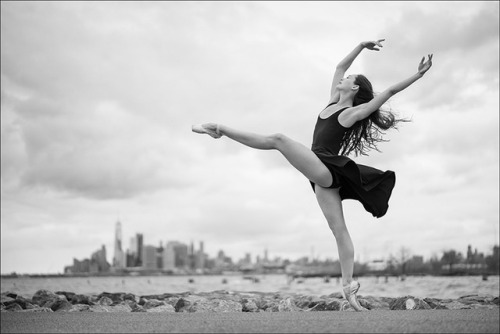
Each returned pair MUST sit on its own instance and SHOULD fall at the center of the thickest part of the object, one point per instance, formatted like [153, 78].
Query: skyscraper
[149, 257]
[119, 256]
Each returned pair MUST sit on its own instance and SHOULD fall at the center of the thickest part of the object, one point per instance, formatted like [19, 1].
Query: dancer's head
[364, 90]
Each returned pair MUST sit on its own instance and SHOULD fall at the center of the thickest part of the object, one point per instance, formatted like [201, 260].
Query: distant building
[149, 257]
[175, 256]
[200, 258]
[134, 253]
[119, 256]
[98, 262]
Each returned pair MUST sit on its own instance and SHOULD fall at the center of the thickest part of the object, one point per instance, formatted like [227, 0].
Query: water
[420, 287]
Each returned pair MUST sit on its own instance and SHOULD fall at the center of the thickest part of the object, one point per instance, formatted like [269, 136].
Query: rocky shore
[226, 301]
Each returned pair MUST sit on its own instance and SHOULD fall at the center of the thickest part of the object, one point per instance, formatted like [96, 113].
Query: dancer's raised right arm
[346, 63]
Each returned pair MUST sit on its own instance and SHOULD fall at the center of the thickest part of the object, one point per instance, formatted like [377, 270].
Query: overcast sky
[98, 99]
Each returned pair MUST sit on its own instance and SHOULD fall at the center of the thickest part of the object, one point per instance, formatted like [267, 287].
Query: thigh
[331, 205]
[305, 161]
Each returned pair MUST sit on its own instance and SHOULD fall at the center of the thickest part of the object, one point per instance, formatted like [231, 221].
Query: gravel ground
[417, 321]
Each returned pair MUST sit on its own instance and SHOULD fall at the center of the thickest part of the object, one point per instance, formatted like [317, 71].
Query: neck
[345, 100]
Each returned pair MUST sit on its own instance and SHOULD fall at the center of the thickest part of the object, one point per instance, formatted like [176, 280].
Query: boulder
[38, 309]
[81, 299]
[409, 303]
[68, 295]
[185, 303]
[152, 303]
[332, 304]
[105, 301]
[61, 306]
[435, 303]
[6, 299]
[80, 308]
[120, 308]
[288, 305]
[139, 308]
[456, 305]
[373, 303]
[13, 307]
[43, 297]
[249, 305]
[165, 308]
[117, 297]
[215, 305]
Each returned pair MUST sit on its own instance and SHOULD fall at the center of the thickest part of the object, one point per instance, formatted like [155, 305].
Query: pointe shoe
[349, 292]
[205, 130]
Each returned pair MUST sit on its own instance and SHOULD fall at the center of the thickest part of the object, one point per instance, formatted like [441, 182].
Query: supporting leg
[331, 204]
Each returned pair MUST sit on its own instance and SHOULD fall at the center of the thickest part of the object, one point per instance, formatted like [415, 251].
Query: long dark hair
[364, 135]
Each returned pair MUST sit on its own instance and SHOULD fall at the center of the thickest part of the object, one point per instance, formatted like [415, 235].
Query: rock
[61, 306]
[166, 296]
[68, 295]
[165, 308]
[475, 299]
[215, 305]
[42, 297]
[456, 305]
[152, 303]
[435, 304]
[119, 308]
[80, 308]
[139, 308]
[185, 303]
[6, 299]
[329, 305]
[81, 299]
[13, 307]
[105, 301]
[409, 303]
[373, 303]
[221, 294]
[98, 308]
[38, 309]
[171, 300]
[249, 305]
[117, 297]
[288, 305]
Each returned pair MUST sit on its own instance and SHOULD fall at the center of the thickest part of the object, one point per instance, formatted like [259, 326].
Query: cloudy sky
[98, 99]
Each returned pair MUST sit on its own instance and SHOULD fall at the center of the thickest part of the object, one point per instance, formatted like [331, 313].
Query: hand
[372, 45]
[425, 66]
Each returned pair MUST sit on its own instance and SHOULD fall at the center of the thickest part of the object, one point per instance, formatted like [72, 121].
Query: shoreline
[246, 312]
[222, 301]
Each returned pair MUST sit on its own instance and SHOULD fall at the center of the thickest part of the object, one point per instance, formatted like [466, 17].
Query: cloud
[98, 100]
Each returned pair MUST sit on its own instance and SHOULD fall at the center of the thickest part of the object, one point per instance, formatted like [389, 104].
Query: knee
[277, 139]
[338, 230]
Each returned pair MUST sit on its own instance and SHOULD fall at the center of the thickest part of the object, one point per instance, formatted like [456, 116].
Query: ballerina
[352, 122]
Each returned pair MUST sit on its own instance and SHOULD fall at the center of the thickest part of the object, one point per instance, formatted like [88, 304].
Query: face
[347, 83]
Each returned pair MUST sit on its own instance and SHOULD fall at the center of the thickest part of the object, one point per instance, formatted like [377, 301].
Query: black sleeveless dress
[368, 185]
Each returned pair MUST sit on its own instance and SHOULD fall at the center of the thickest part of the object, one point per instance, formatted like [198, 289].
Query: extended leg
[299, 156]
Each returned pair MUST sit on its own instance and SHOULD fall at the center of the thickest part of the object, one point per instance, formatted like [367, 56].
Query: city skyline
[178, 257]
[98, 100]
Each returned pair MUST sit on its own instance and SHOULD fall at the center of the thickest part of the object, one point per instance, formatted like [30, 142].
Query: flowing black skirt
[368, 185]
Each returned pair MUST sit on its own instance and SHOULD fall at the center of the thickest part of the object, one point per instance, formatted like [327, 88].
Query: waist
[323, 150]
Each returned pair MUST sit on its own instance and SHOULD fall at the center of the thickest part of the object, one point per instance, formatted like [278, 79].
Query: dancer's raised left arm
[345, 63]
[364, 110]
